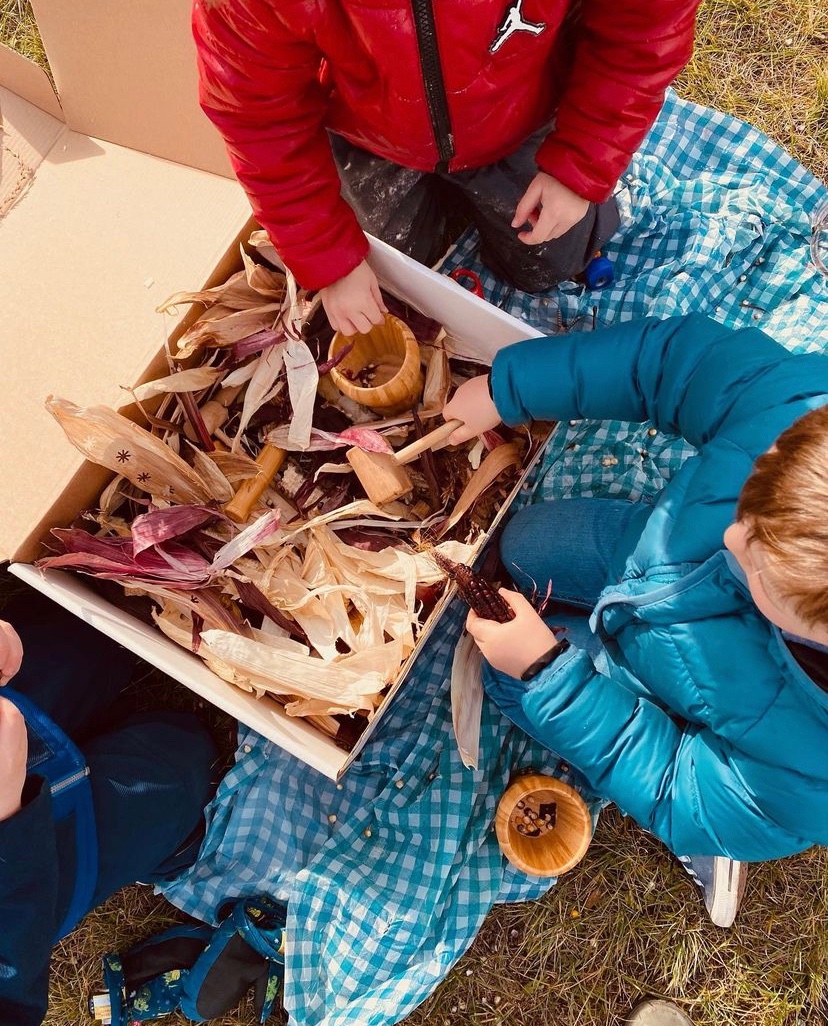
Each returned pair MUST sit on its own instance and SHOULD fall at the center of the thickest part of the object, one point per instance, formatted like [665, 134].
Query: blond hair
[784, 503]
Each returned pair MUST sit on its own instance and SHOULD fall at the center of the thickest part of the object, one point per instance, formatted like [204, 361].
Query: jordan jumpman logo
[513, 22]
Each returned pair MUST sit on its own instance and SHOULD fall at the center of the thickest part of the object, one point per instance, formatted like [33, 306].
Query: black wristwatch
[545, 659]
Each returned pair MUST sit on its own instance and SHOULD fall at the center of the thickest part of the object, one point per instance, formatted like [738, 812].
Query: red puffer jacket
[276, 73]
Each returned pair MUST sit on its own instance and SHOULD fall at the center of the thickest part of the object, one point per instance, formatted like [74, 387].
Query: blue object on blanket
[201, 971]
[599, 272]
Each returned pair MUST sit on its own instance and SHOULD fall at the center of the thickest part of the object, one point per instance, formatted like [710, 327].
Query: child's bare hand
[14, 747]
[354, 303]
[550, 208]
[472, 404]
[512, 647]
[11, 652]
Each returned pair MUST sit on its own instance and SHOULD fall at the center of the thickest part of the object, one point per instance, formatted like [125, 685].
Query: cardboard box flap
[101, 236]
[29, 81]
[126, 73]
[27, 134]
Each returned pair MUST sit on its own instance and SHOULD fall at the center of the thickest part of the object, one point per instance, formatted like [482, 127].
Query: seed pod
[475, 590]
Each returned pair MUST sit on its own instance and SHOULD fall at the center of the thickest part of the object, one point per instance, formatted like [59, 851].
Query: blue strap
[53, 755]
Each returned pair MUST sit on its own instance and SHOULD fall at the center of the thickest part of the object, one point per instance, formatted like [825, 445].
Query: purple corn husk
[160, 525]
[254, 598]
[255, 343]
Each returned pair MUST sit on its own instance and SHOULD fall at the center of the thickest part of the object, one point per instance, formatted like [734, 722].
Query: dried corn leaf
[282, 672]
[325, 441]
[467, 699]
[235, 466]
[242, 290]
[303, 377]
[264, 280]
[437, 380]
[112, 441]
[193, 380]
[227, 330]
[264, 386]
[488, 472]
[220, 487]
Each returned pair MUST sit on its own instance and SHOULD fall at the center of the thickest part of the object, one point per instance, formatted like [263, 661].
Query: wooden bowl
[388, 358]
[543, 825]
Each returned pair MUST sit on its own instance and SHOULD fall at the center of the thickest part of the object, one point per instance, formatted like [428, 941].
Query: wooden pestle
[270, 460]
[382, 475]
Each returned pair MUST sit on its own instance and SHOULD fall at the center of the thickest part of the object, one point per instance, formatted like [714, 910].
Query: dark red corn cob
[475, 590]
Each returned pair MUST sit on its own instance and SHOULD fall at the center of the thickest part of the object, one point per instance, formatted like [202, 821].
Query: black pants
[408, 209]
[151, 773]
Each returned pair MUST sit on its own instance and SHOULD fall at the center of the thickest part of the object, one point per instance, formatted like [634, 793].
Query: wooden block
[383, 479]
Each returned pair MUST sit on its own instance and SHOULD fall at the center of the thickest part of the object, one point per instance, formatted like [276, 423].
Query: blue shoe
[723, 882]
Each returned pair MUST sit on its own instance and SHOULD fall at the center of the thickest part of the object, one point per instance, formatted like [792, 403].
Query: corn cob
[475, 590]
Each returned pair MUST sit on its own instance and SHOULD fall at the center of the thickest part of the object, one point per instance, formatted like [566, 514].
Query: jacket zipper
[435, 87]
[64, 782]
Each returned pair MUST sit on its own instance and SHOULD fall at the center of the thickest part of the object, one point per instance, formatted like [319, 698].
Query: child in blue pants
[692, 688]
[90, 799]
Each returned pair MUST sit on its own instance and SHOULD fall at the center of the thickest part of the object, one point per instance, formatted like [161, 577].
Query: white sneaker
[657, 1013]
[723, 882]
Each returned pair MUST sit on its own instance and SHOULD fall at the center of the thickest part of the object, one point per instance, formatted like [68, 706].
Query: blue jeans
[579, 546]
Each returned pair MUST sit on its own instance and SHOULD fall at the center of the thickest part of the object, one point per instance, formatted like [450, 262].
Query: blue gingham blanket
[389, 874]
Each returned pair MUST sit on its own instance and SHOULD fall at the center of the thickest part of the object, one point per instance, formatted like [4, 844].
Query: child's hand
[512, 647]
[11, 652]
[550, 208]
[472, 404]
[354, 303]
[14, 747]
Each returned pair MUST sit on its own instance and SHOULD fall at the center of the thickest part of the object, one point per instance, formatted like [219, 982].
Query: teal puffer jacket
[695, 719]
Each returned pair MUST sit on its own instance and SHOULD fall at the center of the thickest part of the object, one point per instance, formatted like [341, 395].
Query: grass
[627, 922]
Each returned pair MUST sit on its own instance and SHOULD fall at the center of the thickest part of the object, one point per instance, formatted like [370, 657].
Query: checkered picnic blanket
[389, 874]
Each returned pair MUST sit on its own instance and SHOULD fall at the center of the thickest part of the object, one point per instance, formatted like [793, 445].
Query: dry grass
[627, 922]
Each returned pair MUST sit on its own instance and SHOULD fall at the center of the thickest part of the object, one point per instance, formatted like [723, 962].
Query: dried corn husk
[195, 379]
[487, 473]
[224, 331]
[240, 292]
[264, 386]
[467, 699]
[279, 670]
[437, 380]
[110, 440]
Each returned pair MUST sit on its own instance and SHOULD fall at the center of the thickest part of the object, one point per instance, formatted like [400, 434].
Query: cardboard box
[114, 199]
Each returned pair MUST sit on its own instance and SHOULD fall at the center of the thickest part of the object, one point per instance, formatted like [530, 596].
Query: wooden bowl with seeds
[382, 369]
[543, 825]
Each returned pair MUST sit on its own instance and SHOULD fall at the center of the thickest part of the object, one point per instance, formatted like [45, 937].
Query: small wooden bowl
[543, 825]
[391, 349]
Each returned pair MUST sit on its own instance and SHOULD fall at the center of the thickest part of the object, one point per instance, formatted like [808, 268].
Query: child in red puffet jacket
[523, 112]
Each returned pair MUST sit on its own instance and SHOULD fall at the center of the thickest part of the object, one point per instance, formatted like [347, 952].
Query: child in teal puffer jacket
[695, 695]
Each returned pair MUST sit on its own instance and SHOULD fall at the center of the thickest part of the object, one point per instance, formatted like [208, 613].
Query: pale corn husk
[467, 699]
[241, 291]
[282, 672]
[220, 487]
[110, 440]
[263, 386]
[225, 331]
[195, 379]
[437, 380]
[303, 378]
[487, 473]
[235, 466]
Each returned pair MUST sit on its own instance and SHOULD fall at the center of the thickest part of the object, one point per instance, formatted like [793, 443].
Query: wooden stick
[429, 441]
[270, 460]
